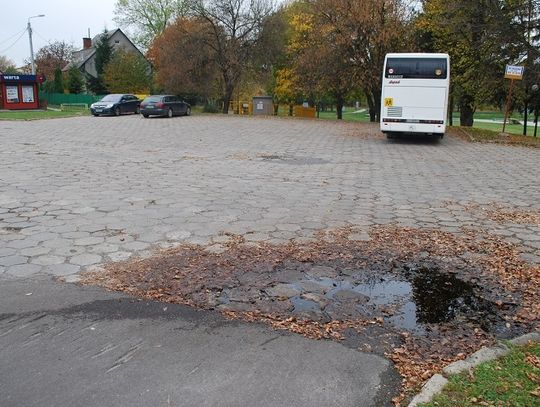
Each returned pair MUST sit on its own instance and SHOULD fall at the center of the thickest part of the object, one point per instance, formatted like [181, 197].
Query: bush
[210, 108]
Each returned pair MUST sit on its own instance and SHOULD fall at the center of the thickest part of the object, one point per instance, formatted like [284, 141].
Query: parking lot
[77, 193]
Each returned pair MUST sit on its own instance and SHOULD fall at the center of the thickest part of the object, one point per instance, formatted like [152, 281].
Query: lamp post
[29, 27]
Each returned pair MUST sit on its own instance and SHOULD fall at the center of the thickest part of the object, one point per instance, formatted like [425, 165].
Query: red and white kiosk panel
[19, 91]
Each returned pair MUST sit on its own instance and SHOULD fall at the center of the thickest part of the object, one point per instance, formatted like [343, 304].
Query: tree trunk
[291, 109]
[227, 97]
[371, 107]
[339, 107]
[451, 110]
[466, 111]
[376, 115]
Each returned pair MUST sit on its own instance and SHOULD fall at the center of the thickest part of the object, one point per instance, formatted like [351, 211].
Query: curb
[437, 382]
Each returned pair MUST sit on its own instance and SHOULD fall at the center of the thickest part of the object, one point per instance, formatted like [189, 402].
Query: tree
[360, 34]
[480, 37]
[50, 57]
[286, 88]
[148, 18]
[104, 53]
[337, 47]
[127, 72]
[525, 31]
[318, 58]
[183, 61]
[7, 65]
[235, 28]
[58, 81]
[75, 80]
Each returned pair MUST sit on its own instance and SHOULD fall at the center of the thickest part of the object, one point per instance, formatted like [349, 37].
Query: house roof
[88, 53]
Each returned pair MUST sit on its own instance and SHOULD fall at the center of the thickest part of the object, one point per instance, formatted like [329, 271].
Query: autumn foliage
[337, 47]
[182, 59]
[127, 72]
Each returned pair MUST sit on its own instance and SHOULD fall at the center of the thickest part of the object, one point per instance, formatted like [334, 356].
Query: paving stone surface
[82, 191]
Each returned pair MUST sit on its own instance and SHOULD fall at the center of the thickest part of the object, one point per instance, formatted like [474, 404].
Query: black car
[116, 104]
[164, 105]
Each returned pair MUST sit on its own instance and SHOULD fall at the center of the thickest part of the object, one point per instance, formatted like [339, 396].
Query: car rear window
[111, 98]
[153, 99]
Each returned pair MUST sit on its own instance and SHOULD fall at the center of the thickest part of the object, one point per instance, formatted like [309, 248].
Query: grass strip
[38, 114]
[512, 381]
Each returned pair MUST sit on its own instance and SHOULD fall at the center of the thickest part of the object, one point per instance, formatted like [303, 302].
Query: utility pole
[29, 28]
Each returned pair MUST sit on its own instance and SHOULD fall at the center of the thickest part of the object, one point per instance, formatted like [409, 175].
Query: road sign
[514, 72]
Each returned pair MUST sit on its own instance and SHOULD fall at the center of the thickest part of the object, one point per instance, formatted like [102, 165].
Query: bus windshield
[416, 68]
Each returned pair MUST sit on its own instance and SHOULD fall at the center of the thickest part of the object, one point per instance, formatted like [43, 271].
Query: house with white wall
[85, 59]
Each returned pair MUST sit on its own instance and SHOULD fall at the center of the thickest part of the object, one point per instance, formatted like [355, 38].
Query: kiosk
[19, 91]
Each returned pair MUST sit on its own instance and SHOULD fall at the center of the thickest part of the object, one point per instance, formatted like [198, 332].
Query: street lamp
[31, 46]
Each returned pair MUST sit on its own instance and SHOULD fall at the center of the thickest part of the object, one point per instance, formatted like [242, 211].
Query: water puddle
[303, 305]
[427, 296]
[411, 301]
[411, 298]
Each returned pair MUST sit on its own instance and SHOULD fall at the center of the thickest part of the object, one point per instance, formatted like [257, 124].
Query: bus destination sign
[514, 72]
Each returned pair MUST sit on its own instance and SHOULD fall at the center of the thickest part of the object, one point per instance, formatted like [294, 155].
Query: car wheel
[170, 113]
[117, 111]
[138, 110]
[95, 114]
[188, 111]
[145, 116]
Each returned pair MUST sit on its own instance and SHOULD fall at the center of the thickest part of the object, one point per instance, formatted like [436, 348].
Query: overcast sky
[65, 20]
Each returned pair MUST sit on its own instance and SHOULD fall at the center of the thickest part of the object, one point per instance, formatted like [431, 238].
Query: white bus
[415, 90]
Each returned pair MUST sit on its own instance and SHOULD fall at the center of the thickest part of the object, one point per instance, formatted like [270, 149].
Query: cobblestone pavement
[76, 193]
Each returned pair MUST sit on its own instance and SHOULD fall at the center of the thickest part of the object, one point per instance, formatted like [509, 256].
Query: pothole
[404, 299]
[283, 159]
[11, 229]
[327, 281]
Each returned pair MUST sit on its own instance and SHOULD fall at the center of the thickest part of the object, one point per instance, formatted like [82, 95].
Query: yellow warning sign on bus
[388, 102]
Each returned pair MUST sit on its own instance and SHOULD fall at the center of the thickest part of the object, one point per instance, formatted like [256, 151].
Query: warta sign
[514, 72]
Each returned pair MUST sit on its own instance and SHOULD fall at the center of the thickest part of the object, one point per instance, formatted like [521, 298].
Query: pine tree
[58, 81]
[104, 53]
[75, 80]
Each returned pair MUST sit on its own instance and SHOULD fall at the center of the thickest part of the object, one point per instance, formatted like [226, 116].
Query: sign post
[514, 73]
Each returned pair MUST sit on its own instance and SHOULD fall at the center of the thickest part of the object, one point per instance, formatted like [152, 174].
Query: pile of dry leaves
[504, 215]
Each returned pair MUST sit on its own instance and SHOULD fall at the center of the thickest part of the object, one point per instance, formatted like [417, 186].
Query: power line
[13, 36]
[16, 41]
[40, 36]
